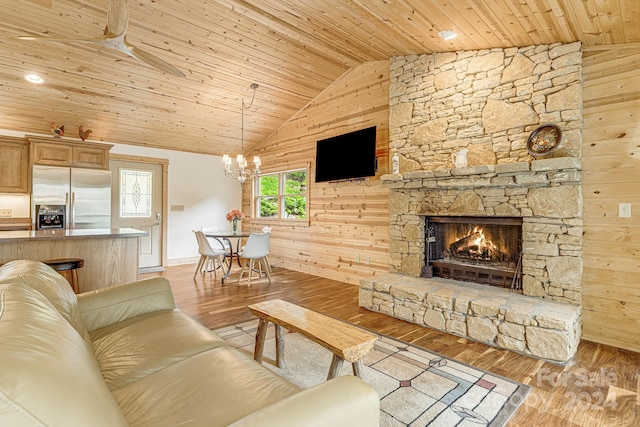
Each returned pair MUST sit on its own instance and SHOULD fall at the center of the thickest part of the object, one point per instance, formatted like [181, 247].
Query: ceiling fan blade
[60, 39]
[117, 18]
[114, 38]
[153, 60]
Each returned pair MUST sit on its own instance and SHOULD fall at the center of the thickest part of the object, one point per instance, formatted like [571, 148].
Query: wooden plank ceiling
[293, 49]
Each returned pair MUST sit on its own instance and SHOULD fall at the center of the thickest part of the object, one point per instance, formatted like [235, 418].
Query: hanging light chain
[242, 173]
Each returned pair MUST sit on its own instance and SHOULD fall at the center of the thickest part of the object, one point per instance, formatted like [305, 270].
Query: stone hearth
[527, 325]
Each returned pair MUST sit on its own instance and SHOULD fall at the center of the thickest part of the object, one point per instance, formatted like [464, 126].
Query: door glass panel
[135, 193]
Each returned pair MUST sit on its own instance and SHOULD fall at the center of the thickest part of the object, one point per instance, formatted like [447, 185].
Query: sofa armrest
[108, 306]
[344, 401]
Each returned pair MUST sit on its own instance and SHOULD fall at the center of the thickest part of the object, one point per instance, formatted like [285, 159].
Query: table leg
[358, 368]
[279, 347]
[336, 367]
[229, 257]
[237, 250]
[261, 333]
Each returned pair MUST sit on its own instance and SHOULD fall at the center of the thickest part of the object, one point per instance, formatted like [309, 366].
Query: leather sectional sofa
[126, 356]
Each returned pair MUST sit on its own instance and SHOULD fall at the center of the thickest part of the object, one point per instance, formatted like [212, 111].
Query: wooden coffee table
[345, 341]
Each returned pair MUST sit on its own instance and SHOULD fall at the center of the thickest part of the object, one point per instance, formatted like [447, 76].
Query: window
[282, 195]
[135, 193]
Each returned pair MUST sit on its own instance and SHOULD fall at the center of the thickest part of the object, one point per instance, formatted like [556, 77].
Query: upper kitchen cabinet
[14, 165]
[60, 152]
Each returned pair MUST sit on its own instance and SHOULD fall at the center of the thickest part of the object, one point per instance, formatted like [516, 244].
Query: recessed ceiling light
[447, 34]
[34, 78]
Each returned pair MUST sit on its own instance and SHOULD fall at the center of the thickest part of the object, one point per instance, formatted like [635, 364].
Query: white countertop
[99, 233]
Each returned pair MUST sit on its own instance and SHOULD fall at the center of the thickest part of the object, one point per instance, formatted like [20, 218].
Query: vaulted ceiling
[293, 49]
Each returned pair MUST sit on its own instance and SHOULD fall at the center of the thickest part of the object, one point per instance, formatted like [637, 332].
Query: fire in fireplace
[475, 246]
[486, 250]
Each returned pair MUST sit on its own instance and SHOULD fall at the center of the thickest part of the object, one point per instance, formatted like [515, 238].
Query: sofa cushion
[108, 306]
[230, 386]
[135, 348]
[48, 375]
[49, 283]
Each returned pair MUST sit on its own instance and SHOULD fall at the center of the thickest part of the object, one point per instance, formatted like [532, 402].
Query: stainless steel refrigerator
[86, 193]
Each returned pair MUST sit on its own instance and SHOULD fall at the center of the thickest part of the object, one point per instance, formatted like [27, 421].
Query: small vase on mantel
[235, 225]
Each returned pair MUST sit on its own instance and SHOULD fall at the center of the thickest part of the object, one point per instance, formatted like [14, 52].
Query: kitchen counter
[7, 224]
[99, 233]
[110, 254]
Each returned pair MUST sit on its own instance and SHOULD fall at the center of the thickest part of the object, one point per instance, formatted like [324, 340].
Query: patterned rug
[416, 387]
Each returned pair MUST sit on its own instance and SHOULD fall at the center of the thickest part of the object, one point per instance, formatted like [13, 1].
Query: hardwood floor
[599, 387]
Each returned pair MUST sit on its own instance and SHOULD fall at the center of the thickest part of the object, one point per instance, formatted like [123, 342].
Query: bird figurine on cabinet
[84, 134]
[57, 131]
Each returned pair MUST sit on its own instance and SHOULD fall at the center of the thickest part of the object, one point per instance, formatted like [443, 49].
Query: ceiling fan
[114, 38]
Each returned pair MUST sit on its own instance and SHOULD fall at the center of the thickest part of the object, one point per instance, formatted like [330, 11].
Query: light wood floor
[600, 387]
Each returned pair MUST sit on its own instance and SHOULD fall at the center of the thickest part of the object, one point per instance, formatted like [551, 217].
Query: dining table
[225, 239]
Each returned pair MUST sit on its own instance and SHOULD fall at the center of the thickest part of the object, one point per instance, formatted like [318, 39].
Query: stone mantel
[537, 173]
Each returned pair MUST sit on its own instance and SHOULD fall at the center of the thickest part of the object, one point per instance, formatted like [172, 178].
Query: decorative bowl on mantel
[543, 140]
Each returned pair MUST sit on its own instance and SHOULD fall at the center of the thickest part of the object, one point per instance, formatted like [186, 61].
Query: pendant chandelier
[241, 172]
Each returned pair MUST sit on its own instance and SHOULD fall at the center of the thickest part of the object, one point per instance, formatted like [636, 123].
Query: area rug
[417, 387]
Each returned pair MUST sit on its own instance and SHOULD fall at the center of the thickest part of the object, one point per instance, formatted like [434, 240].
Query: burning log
[476, 246]
[466, 243]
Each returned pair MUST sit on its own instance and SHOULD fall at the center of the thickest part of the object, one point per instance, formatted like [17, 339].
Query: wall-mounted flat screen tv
[348, 156]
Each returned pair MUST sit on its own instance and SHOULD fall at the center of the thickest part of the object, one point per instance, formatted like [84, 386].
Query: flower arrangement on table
[234, 216]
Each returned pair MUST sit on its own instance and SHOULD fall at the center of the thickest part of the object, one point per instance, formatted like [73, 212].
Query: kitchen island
[110, 254]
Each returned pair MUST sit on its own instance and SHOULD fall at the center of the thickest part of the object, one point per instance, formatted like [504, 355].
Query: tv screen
[348, 156]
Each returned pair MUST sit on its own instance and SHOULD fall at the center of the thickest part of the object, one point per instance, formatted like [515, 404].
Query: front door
[137, 203]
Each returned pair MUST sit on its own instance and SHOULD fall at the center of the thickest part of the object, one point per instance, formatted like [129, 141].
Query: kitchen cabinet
[60, 152]
[14, 165]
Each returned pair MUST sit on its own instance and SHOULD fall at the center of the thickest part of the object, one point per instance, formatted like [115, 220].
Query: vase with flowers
[233, 217]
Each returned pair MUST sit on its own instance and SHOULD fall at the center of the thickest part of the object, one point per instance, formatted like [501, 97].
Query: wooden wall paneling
[347, 220]
[611, 175]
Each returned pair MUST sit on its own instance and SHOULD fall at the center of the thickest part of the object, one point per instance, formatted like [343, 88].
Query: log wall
[611, 175]
[347, 236]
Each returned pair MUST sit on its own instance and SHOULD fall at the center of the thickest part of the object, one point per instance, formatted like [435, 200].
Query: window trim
[279, 220]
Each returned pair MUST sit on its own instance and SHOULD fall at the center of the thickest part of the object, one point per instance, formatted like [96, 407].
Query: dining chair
[267, 229]
[208, 255]
[256, 249]
[215, 242]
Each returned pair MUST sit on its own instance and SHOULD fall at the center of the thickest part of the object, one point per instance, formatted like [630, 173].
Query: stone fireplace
[486, 102]
[486, 250]
[544, 194]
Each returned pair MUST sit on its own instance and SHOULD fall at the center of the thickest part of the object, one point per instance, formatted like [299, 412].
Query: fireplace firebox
[485, 250]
